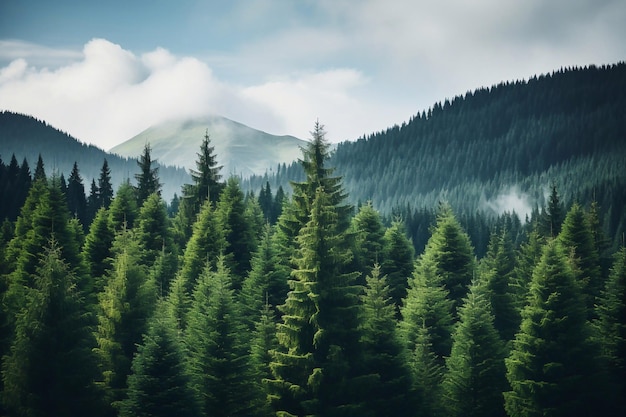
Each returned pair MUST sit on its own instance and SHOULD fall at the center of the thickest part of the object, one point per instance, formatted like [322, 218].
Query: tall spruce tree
[206, 176]
[385, 355]
[218, 358]
[397, 261]
[50, 368]
[105, 188]
[263, 343]
[160, 382]
[97, 250]
[76, 199]
[475, 375]
[124, 209]
[611, 329]
[147, 178]
[369, 235]
[552, 368]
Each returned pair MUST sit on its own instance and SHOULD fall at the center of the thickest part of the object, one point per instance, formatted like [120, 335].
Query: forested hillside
[497, 149]
[28, 138]
[303, 305]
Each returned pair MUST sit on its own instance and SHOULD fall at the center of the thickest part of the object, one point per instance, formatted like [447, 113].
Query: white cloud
[508, 201]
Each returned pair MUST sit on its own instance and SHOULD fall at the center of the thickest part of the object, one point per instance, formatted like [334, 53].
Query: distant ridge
[26, 137]
[242, 151]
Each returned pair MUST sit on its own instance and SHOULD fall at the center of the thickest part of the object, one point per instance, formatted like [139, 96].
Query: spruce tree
[369, 235]
[475, 375]
[147, 178]
[206, 176]
[552, 368]
[427, 375]
[397, 261]
[611, 329]
[105, 188]
[124, 209]
[152, 229]
[160, 382]
[577, 238]
[40, 172]
[263, 343]
[97, 250]
[553, 216]
[450, 251]
[76, 200]
[50, 368]
[384, 352]
[217, 355]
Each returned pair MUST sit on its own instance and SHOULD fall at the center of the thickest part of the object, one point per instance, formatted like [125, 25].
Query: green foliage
[123, 209]
[206, 176]
[160, 383]
[152, 229]
[147, 178]
[397, 261]
[97, 250]
[552, 366]
[369, 235]
[49, 369]
[214, 338]
[475, 375]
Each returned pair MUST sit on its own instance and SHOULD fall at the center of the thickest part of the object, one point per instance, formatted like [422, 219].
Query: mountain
[27, 137]
[241, 150]
[498, 149]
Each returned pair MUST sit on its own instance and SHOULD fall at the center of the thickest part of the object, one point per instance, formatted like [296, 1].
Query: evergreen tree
[50, 368]
[497, 269]
[369, 239]
[97, 250]
[450, 251]
[263, 343]
[160, 383]
[125, 305]
[105, 188]
[611, 329]
[40, 172]
[93, 203]
[266, 201]
[206, 176]
[217, 357]
[384, 353]
[397, 261]
[277, 207]
[553, 217]
[147, 178]
[528, 257]
[475, 378]
[153, 229]
[551, 368]
[240, 239]
[266, 282]
[577, 238]
[428, 372]
[316, 369]
[123, 209]
[76, 200]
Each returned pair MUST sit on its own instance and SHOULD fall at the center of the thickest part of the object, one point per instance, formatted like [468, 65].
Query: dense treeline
[302, 305]
[27, 138]
[496, 149]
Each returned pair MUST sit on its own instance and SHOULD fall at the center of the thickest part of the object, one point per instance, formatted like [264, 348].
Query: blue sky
[105, 71]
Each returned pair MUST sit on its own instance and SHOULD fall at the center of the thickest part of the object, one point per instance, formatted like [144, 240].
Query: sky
[105, 71]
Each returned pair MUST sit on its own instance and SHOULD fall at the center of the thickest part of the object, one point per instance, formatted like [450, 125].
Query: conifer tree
[611, 329]
[450, 251]
[384, 352]
[92, 201]
[147, 178]
[265, 284]
[316, 368]
[475, 375]
[240, 239]
[218, 359]
[427, 371]
[369, 240]
[50, 368]
[207, 176]
[105, 188]
[97, 250]
[553, 216]
[76, 200]
[124, 209]
[528, 257]
[497, 269]
[577, 238]
[397, 261]
[205, 245]
[552, 368]
[125, 305]
[40, 172]
[263, 343]
[160, 382]
[152, 229]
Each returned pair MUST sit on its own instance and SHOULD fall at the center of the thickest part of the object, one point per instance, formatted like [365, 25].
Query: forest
[228, 303]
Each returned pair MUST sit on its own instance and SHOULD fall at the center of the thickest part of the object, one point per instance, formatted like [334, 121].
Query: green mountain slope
[240, 149]
[27, 137]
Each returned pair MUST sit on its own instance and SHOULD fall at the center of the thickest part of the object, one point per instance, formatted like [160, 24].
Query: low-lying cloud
[509, 201]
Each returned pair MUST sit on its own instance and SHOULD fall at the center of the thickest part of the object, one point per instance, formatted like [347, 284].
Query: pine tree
[217, 357]
[152, 229]
[528, 257]
[240, 239]
[316, 368]
[93, 203]
[577, 237]
[50, 368]
[552, 368]
[384, 353]
[125, 305]
[369, 239]
[40, 172]
[147, 178]
[206, 176]
[475, 378]
[123, 209]
[97, 250]
[105, 188]
[611, 329]
[263, 343]
[76, 200]
[160, 383]
[397, 261]
[428, 371]
[553, 217]
[450, 251]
